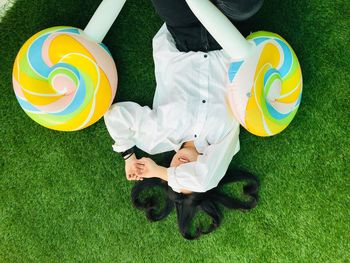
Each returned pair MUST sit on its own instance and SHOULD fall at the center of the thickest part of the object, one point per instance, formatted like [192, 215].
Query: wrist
[162, 173]
[131, 158]
[128, 153]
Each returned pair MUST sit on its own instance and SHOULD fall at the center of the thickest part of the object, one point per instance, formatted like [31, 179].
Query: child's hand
[147, 168]
[130, 169]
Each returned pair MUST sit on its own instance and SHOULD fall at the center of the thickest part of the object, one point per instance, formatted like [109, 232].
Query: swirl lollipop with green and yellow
[264, 77]
[64, 78]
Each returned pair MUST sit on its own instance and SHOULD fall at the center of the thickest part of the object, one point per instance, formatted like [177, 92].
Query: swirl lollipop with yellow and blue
[264, 77]
[64, 78]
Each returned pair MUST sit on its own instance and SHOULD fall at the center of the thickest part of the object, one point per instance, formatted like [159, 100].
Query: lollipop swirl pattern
[265, 89]
[63, 80]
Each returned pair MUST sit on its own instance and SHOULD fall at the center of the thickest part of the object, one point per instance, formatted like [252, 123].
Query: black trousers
[190, 34]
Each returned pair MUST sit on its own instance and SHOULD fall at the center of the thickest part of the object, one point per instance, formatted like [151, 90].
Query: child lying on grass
[190, 115]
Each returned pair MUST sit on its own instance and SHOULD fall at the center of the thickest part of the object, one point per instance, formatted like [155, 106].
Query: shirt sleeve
[130, 125]
[210, 167]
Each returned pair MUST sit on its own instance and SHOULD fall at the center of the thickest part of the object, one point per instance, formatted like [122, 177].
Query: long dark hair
[158, 205]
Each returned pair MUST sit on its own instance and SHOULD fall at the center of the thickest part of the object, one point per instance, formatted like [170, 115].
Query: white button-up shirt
[189, 104]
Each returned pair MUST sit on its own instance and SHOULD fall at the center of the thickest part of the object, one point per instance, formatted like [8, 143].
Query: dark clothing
[190, 34]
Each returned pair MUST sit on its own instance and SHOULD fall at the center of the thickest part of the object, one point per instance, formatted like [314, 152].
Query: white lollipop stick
[221, 28]
[103, 19]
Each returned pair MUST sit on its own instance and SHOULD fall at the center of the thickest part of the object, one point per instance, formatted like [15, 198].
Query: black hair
[157, 206]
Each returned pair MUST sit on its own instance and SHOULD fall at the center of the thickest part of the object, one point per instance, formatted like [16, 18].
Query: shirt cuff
[124, 147]
[172, 182]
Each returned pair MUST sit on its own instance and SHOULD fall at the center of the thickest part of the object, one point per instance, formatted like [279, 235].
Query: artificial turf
[64, 198]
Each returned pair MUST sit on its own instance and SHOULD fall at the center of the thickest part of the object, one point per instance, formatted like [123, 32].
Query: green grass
[63, 196]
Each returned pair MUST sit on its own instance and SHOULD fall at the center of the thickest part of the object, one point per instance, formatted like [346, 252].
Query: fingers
[134, 177]
[143, 161]
[140, 162]
[138, 178]
[140, 168]
[129, 177]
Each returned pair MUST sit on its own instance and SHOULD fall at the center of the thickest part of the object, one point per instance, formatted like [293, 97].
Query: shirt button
[204, 101]
[205, 55]
[195, 136]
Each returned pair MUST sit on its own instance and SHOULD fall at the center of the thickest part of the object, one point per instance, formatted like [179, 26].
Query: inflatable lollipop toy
[64, 78]
[264, 77]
